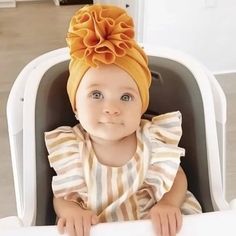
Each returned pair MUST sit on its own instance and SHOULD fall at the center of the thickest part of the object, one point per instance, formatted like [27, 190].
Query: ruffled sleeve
[64, 147]
[163, 133]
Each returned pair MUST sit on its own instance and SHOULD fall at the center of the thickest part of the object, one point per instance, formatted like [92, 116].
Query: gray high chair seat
[40, 103]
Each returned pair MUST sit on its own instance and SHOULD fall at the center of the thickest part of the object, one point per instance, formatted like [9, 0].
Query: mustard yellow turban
[104, 34]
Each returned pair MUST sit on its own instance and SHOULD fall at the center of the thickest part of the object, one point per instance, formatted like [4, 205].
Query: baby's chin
[109, 137]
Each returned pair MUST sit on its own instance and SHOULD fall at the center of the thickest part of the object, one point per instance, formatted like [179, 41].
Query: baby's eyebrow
[95, 85]
[123, 88]
[130, 89]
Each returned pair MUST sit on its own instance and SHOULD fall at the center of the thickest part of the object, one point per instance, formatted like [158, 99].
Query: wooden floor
[33, 28]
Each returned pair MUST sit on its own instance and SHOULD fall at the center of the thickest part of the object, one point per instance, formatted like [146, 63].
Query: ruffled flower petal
[99, 34]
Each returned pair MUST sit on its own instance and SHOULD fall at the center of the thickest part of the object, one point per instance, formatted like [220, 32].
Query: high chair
[38, 102]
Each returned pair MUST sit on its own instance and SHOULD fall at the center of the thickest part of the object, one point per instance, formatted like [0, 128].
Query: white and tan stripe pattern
[64, 157]
[113, 198]
[191, 205]
[118, 193]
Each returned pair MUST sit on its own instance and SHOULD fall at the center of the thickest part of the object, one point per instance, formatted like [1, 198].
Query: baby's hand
[166, 219]
[76, 221]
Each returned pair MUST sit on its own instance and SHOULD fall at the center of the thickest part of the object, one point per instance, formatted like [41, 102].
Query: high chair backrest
[177, 89]
[174, 87]
[52, 110]
[172, 90]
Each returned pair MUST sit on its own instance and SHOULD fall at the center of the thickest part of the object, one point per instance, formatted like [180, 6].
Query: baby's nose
[111, 109]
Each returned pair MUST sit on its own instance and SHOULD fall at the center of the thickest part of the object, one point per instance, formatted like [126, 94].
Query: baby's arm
[166, 215]
[73, 218]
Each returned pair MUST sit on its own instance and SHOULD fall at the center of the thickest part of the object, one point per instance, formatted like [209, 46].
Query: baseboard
[32, 0]
[7, 4]
[57, 3]
[72, 2]
[226, 75]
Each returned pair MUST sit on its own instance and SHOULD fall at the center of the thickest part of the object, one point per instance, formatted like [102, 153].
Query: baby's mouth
[110, 123]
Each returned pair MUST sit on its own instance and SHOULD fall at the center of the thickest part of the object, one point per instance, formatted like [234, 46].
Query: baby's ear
[76, 115]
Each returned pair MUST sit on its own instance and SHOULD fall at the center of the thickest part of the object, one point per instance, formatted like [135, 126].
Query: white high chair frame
[21, 123]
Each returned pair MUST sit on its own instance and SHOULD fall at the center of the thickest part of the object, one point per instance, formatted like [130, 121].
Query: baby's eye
[96, 95]
[126, 97]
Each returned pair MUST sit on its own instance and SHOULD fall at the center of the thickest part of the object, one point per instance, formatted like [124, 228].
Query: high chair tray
[214, 223]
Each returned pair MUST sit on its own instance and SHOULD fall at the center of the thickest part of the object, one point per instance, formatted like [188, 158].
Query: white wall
[206, 29]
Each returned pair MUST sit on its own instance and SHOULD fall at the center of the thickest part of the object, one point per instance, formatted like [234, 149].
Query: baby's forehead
[107, 75]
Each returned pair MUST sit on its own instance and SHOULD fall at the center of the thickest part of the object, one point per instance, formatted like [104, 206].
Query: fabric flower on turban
[100, 34]
[104, 34]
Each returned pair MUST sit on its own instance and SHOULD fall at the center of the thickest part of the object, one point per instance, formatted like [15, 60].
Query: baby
[114, 165]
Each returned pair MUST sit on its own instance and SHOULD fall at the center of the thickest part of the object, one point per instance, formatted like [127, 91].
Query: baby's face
[108, 103]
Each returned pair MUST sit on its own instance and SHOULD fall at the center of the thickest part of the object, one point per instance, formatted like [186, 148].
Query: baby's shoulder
[166, 128]
[63, 136]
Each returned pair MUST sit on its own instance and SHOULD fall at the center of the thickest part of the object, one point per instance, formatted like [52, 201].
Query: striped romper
[120, 193]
